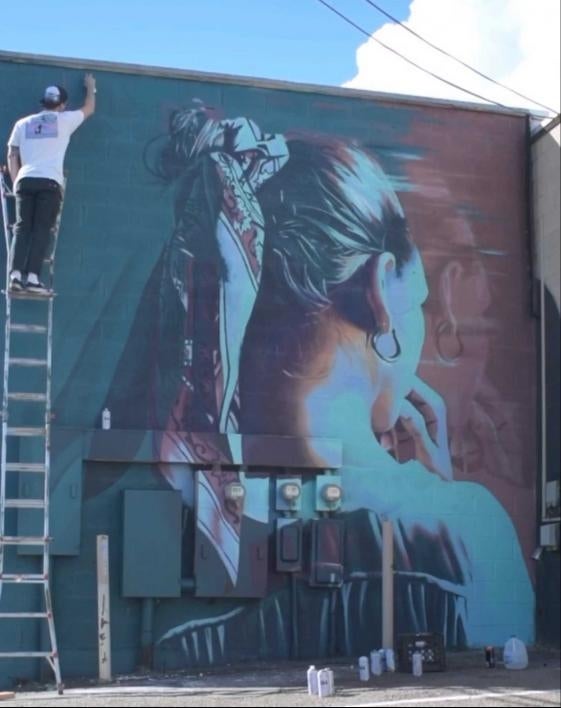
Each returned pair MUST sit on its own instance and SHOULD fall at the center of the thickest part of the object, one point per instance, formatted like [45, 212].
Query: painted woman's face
[362, 385]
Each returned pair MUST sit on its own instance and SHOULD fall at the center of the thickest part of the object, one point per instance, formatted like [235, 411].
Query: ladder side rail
[47, 448]
[51, 656]
[6, 370]
[54, 659]
[55, 235]
[5, 192]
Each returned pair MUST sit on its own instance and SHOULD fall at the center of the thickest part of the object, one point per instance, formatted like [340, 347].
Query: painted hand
[422, 432]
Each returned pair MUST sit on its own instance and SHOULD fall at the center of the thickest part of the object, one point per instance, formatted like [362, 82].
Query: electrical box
[289, 494]
[152, 543]
[289, 545]
[329, 492]
[231, 534]
[327, 552]
[549, 536]
[552, 496]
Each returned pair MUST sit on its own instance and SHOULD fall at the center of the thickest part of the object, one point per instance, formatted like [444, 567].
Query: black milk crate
[431, 647]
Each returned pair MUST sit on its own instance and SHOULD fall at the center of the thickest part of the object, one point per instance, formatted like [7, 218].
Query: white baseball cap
[54, 96]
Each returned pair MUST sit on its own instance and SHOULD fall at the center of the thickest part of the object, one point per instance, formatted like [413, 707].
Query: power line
[459, 61]
[409, 61]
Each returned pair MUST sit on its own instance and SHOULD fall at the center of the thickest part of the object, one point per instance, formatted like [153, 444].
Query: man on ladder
[36, 150]
[37, 147]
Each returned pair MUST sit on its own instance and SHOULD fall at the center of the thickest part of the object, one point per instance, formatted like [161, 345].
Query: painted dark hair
[328, 211]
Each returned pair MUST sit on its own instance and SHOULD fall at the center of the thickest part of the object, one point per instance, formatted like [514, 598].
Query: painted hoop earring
[445, 330]
[384, 357]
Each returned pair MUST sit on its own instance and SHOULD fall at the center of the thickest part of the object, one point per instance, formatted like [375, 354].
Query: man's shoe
[37, 288]
[16, 285]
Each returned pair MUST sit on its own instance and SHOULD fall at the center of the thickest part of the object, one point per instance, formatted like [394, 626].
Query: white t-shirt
[42, 139]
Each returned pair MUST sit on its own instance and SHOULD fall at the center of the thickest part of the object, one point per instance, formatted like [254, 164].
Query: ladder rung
[24, 579]
[27, 295]
[24, 540]
[26, 654]
[24, 615]
[24, 396]
[26, 432]
[38, 467]
[25, 361]
[29, 328]
[25, 503]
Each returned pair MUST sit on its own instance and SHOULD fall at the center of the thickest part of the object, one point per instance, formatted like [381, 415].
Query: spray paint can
[312, 678]
[363, 669]
[375, 663]
[490, 657]
[417, 663]
[390, 660]
[323, 683]
[106, 419]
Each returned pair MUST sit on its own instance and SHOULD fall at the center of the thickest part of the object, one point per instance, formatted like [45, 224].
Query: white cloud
[514, 41]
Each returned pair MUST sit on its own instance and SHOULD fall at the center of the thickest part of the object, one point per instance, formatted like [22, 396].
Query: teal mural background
[117, 220]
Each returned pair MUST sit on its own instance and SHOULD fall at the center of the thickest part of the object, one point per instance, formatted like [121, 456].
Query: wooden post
[387, 586]
[103, 615]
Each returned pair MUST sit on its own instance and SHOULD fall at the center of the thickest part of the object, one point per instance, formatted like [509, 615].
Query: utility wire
[410, 61]
[459, 61]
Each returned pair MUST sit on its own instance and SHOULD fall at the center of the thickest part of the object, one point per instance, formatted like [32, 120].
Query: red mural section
[467, 212]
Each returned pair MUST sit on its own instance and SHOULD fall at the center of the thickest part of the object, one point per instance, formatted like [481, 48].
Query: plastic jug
[324, 683]
[515, 655]
[376, 663]
[312, 677]
[417, 663]
[390, 660]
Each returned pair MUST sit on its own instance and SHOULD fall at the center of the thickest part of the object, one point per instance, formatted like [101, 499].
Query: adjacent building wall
[546, 185]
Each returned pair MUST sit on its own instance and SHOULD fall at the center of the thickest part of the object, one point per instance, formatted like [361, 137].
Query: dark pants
[38, 203]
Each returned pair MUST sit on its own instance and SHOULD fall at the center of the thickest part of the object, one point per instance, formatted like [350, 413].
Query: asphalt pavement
[465, 682]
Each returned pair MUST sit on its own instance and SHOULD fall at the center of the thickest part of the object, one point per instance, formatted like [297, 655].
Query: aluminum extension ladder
[36, 335]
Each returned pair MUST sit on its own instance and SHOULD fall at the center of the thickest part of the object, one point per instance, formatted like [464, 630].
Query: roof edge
[545, 129]
[255, 82]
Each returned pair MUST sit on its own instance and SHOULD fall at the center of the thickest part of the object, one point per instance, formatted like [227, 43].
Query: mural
[292, 300]
[283, 297]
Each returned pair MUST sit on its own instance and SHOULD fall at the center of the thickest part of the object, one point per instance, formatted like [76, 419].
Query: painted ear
[450, 279]
[381, 268]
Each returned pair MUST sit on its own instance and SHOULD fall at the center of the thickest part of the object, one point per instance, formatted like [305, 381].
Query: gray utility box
[152, 543]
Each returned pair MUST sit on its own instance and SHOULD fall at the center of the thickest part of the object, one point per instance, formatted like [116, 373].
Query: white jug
[515, 655]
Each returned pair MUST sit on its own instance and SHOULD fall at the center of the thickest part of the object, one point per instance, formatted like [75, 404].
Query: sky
[514, 41]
